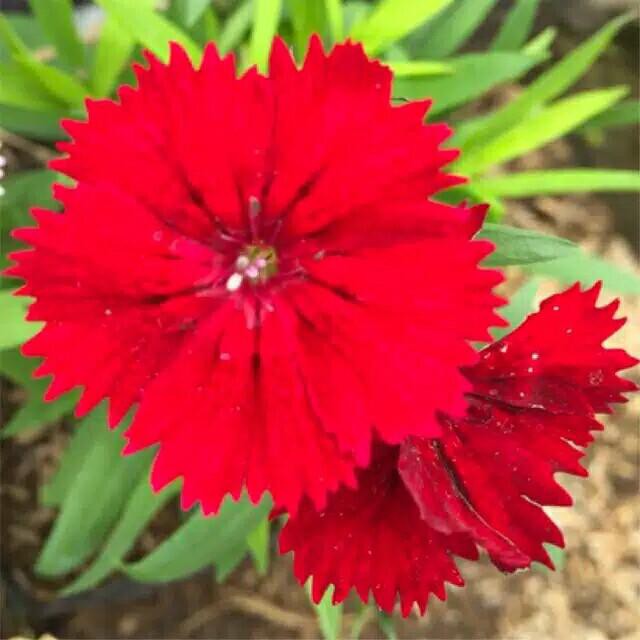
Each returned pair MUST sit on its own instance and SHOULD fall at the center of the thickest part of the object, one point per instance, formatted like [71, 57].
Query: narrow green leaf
[114, 49]
[516, 26]
[199, 542]
[139, 510]
[541, 43]
[307, 18]
[56, 20]
[385, 622]
[236, 27]
[412, 68]
[149, 28]
[391, 20]
[227, 564]
[38, 125]
[207, 29]
[10, 39]
[266, 17]
[519, 307]
[587, 269]
[557, 555]
[259, 545]
[26, 30]
[534, 183]
[548, 86]
[14, 328]
[622, 114]
[59, 84]
[546, 125]
[522, 246]
[94, 500]
[187, 12]
[335, 19]
[474, 74]
[450, 29]
[329, 616]
[18, 88]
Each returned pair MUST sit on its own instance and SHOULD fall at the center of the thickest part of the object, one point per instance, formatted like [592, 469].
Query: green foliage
[420, 40]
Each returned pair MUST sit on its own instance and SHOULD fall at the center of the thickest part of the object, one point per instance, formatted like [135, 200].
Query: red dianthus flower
[256, 264]
[484, 481]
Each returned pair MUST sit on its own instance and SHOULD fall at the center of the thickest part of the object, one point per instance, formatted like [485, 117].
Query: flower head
[256, 264]
[484, 481]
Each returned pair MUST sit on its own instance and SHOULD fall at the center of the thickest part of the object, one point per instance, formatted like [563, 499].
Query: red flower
[483, 482]
[255, 262]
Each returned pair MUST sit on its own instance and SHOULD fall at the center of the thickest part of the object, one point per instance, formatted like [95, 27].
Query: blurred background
[595, 592]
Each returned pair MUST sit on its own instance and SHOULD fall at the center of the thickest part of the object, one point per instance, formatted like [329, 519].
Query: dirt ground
[594, 596]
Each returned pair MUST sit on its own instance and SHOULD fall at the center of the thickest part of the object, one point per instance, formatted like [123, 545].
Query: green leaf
[259, 542]
[38, 125]
[522, 246]
[30, 188]
[516, 26]
[546, 125]
[56, 20]
[10, 39]
[94, 500]
[548, 86]
[188, 12]
[19, 89]
[449, 30]
[385, 622]
[266, 17]
[391, 20]
[622, 114]
[14, 328]
[329, 616]
[557, 555]
[534, 183]
[519, 307]
[236, 27]
[139, 510]
[198, 542]
[474, 75]
[59, 84]
[26, 30]
[149, 28]
[113, 51]
[307, 18]
[335, 19]
[588, 269]
[541, 43]
[412, 68]
[227, 564]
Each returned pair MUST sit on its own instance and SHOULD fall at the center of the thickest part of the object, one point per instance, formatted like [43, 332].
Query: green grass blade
[413, 68]
[548, 86]
[149, 28]
[391, 20]
[474, 74]
[543, 127]
[258, 542]
[187, 12]
[200, 541]
[522, 246]
[56, 19]
[587, 269]
[517, 26]
[266, 18]
[236, 27]
[335, 19]
[622, 114]
[113, 51]
[14, 328]
[38, 125]
[18, 88]
[307, 18]
[535, 183]
[329, 616]
[450, 29]
[139, 510]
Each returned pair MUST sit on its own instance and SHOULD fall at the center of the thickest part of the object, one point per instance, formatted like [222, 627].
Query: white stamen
[242, 262]
[252, 272]
[234, 282]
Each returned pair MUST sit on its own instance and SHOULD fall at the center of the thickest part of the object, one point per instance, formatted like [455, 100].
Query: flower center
[254, 265]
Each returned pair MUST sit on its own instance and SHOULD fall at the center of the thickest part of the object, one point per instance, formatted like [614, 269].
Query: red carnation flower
[255, 263]
[484, 481]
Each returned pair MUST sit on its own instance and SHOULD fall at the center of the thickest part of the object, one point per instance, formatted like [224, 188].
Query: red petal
[374, 540]
[491, 472]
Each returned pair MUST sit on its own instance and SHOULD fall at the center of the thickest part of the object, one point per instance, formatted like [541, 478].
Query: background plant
[49, 66]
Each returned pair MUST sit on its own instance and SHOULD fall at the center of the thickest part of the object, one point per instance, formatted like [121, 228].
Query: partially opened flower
[484, 481]
[256, 263]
